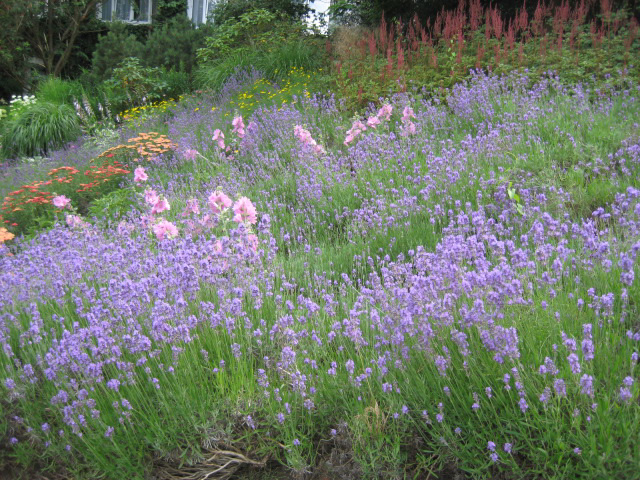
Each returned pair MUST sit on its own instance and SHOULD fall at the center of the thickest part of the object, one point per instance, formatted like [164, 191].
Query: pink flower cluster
[372, 122]
[139, 175]
[218, 202]
[244, 211]
[409, 128]
[238, 126]
[218, 137]
[162, 229]
[61, 202]
[165, 229]
[306, 139]
[356, 129]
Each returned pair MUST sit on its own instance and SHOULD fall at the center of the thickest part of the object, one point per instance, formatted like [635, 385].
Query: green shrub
[113, 48]
[173, 45]
[132, 84]
[38, 128]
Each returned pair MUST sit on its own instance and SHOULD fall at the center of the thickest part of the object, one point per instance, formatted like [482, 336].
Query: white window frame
[205, 13]
[114, 18]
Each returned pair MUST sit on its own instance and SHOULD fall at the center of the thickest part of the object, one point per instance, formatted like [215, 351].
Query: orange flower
[5, 235]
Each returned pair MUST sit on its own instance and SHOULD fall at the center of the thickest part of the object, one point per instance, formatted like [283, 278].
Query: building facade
[141, 11]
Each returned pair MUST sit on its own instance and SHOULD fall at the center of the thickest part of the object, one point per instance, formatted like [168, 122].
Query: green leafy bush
[113, 48]
[133, 84]
[173, 45]
[258, 39]
[38, 128]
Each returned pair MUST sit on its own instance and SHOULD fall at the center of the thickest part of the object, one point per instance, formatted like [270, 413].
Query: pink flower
[191, 207]
[218, 136]
[244, 211]
[356, 129]
[151, 197]
[60, 201]
[307, 140]
[252, 240]
[373, 121]
[190, 154]
[218, 201]
[164, 229]
[409, 129]
[385, 111]
[407, 114]
[238, 126]
[74, 221]
[160, 206]
[139, 175]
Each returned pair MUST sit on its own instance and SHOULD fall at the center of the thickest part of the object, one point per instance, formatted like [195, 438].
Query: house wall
[115, 10]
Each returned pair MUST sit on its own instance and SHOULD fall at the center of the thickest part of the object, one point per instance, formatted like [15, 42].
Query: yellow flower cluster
[135, 116]
[263, 92]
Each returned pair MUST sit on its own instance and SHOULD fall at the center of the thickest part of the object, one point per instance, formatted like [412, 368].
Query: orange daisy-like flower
[5, 235]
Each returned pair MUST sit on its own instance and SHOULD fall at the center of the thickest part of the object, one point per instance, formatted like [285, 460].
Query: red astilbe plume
[400, 51]
[475, 11]
[371, 40]
[560, 17]
[497, 23]
[479, 56]
[383, 34]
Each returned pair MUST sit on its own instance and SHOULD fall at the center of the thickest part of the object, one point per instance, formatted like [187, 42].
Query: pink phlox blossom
[244, 211]
[238, 126]
[190, 154]
[306, 139]
[61, 201]
[385, 111]
[407, 114]
[74, 221]
[218, 201]
[409, 129]
[165, 229]
[373, 121]
[191, 207]
[218, 136]
[356, 129]
[139, 175]
[151, 197]
[160, 206]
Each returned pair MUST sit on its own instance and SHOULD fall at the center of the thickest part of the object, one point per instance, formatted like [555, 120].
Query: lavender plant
[397, 307]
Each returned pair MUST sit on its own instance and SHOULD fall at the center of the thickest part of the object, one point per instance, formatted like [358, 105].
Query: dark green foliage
[133, 84]
[113, 48]
[39, 128]
[173, 45]
[234, 9]
[167, 10]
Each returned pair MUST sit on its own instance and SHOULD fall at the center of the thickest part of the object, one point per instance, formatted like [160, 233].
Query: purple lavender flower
[560, 387]
[507, 447]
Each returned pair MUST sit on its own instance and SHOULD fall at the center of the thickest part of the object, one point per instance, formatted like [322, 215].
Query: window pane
[106, 10]
[144, 10]
[123, 8]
